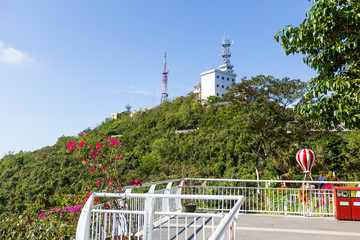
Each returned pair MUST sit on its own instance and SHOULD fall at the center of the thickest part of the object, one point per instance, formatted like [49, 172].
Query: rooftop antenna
[164, 94]
[226, 54]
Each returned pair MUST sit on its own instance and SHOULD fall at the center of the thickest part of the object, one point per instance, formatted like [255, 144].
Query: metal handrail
[176, 196]
[225, 223]
[266, 181]
[83, 228]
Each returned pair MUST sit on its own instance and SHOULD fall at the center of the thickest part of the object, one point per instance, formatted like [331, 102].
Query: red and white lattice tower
[164, 94]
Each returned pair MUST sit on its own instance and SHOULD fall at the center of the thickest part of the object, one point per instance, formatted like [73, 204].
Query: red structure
[347, 204]
[164, 94]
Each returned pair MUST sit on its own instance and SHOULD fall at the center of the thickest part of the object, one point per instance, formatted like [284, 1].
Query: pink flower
[136, 182]
[108, 183]
[87, 197]
[92, 169]
[81, 144]
[98, 146]
[327, 186]
[119, 188]
[104, 169]
[117, 157]
[96, 200]
[120, 145]
[122, 153]
[86, 160]
[72, 145]
[42, 214]
[111, 180]
[90, 145]
[108, 139]
[98, 183]
[114, 142]
[84, 134]
[94, 154]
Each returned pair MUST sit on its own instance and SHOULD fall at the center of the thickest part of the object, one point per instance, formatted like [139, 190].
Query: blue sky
[67, 65]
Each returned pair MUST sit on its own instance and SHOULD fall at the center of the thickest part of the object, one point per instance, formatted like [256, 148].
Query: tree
[329, 38]
[265, 102]
[128, 107]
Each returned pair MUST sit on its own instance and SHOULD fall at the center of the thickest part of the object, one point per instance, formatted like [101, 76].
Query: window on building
[233, 80]
[217, 76]
[228, 79]
[222, 95]
[222, 86]
[217, 85]
[222, 78]
[217, 94]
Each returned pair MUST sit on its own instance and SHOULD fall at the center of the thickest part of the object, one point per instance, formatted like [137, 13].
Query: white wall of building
[215, 83]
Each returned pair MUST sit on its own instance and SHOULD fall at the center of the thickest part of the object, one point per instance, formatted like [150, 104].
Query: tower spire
[226, 54]
[164, 94]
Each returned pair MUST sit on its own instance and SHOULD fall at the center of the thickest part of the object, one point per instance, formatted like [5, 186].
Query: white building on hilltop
[215, 82]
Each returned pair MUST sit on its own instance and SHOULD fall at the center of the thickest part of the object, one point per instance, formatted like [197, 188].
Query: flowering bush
[327, 186]
[62, 210]
[101, 159]
[303, 196]
[286, 176]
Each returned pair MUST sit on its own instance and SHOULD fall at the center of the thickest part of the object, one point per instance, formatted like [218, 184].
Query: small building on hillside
[215, 82]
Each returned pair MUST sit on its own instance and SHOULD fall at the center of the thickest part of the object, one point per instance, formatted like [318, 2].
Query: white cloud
[136, 90]
[12, 55]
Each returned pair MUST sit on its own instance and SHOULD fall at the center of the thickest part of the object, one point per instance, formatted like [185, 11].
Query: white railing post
[150, 202]
[146, 218]
[178, 191]
[166, 201]
[83, 227]
[224, 225]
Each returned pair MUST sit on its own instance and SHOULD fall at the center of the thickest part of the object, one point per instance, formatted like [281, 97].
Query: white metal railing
[286, 197]
[96, 222]
[157, 212]
[227, 225]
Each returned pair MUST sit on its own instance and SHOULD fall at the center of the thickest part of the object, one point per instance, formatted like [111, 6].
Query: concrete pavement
[259, 226]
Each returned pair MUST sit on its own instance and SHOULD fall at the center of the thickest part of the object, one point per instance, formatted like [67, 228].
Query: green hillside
[249, 133]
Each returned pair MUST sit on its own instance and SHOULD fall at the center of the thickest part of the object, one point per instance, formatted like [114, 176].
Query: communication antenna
[226, 54]
[164, 94]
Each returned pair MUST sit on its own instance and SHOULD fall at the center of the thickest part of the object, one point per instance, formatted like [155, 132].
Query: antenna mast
[226, 54]
[164, 94]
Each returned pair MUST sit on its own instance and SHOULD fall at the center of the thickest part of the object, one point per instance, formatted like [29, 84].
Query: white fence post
[151, 203]
[178, 191]
[166, 201]
[83, 227]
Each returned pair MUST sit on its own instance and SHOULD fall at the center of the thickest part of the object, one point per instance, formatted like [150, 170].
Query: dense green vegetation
[329, 39]
[250, 133]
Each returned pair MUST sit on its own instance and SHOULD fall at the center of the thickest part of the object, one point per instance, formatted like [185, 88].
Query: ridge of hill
[224, 146]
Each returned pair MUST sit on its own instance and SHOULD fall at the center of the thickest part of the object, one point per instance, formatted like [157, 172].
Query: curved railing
[227, 226]
[147, 213]
[105, 223]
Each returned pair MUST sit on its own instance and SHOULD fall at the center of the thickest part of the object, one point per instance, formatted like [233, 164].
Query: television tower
[164, 94]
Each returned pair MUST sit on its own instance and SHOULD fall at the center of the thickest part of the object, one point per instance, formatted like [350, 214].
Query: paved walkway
[258, 226]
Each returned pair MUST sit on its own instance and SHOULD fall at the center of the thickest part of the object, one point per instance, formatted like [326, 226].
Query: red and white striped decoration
[306, 158]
